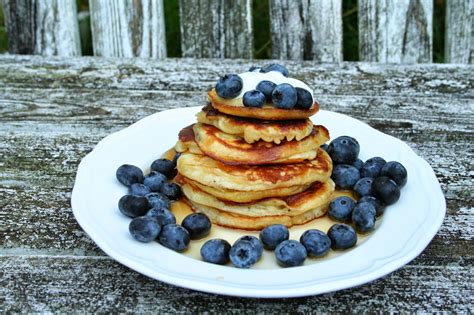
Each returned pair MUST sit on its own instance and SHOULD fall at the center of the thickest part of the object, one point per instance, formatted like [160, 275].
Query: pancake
[210, 172]
[248, 196]
[315, 196]
[252, 130]
[186, 143]
[234, 221]
[235, 107]
[234, 150]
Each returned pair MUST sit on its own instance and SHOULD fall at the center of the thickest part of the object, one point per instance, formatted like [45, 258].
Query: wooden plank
[459, 31]
[216, 28]
[77, 284]
[306, 29]
[129, 28]
[419, 80]
[46, 27]
[73, 121]
[396, 31]
[53, 112]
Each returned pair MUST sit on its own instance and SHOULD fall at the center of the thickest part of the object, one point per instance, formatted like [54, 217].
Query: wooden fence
[394, 31]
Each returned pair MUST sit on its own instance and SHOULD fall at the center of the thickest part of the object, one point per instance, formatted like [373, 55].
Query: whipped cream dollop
[252, 78]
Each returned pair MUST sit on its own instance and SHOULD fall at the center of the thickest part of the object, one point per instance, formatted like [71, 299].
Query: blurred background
[262, 41]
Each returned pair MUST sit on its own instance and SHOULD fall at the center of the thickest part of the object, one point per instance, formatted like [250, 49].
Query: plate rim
[223, 288]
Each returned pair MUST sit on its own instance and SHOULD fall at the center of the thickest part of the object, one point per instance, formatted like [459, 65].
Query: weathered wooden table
[53, 112]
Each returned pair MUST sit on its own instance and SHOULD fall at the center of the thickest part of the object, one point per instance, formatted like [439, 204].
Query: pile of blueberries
[283, 96]
[148, 203]
[248, 249]
[376, 182]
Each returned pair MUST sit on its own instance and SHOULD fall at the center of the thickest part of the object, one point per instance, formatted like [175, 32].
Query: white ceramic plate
[405, 230]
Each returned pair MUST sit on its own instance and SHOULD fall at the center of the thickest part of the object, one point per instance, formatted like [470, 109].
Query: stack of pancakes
[249, 167]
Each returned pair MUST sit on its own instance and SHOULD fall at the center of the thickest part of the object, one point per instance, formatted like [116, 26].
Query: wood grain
[305, 29]
[46, 27]
[87, 284]
[54, 111]
[459, 33]
[128, 28]
[216, 28]
[396, 31]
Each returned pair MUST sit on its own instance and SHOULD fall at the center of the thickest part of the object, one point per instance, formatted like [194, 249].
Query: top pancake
[252, 130]
[235, 107]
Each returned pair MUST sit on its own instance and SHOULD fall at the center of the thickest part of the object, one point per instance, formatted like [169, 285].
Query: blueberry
[363, 217]
[255, 69]
[171, 190]
[363, 187]
[134, 206]
[154, 181]
[165, 167]
[174, 237]
[197, 224]
[176, 157]
[345, 176]
[386, 190]
[255, 242]
[290, 253]
[162, 215]
[229, 86]
[158, 200]
[266, 87]
[340, 209]
[324, 147]
[379, 207]
[253, 98]
[342, 236]
[244, 254]
[304, 99]
[358, 164]
[144, 229]
[216, 251]
[273, 235]
[129, 174]
[284, 96]
[316, 242]
[395, 171]
[344, 150]
[139, 189]
[277, 68]
[372, 167]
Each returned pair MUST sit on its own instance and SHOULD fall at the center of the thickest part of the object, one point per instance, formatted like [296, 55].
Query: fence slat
[304, 29]
[128, 28]
[459, 35]
[396, 31]
[216, 28]
[46, 27]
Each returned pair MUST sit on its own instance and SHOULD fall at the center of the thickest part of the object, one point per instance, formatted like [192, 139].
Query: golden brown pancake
[187, 143]
[313, 197]
[234, 150]
[234, 221]
[247, 196]
[252, 130]
[210, 172]
[235, 107]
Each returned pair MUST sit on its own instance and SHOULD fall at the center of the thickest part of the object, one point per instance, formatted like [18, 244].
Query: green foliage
[350, 30]
[261, 30]
[3, 32]
[173, 33]
[439, 12]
